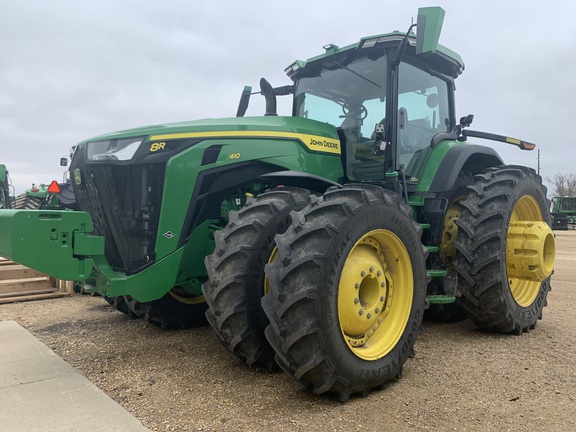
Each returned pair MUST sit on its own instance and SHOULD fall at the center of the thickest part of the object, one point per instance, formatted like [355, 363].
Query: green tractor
[32, 198]
[564, 213]
[5, 202]
[314, 242]
[55, 196]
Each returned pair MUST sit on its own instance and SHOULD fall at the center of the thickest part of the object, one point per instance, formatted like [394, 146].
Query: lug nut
[356, 300]
[383, 284]
[361, 311]
[369, 316]
[377, 310]
[362, 273]
[382, 298]
[357, 285]
[379, 273]
[371, 269]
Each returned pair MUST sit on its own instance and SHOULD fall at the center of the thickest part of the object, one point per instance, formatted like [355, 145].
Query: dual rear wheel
[505, 249]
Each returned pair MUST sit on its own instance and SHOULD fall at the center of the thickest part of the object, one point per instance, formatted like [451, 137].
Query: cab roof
[443, 59]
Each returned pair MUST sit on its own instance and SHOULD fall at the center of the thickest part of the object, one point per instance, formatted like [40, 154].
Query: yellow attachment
[375, 294]
[530, 251]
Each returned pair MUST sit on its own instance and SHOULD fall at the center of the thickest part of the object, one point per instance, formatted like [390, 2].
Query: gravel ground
[461, 378]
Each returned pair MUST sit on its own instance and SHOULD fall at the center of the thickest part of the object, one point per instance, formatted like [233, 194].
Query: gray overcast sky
[74, 69]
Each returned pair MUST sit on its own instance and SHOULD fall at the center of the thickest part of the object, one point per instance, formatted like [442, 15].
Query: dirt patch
[461, 378]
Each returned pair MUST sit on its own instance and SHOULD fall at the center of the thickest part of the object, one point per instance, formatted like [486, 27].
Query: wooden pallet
[19, 283]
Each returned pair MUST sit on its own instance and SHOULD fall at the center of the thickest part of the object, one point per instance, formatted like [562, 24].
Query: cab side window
[423, 111]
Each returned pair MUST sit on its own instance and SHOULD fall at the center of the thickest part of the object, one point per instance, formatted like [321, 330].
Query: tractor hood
[122, 179]
[227, 127]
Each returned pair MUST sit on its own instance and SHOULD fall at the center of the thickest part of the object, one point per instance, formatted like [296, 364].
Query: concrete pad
[41, 392]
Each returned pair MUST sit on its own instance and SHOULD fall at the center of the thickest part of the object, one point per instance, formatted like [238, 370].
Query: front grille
[124, 202]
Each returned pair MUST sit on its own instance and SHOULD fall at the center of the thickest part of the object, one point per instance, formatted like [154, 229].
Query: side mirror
[429, 24]
[467, 120]
[63, 162]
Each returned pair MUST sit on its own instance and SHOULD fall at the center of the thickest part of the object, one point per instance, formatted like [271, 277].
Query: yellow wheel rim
[449, 233]
[273, 256]
[530, 251]
[183, 297]
[375, 294]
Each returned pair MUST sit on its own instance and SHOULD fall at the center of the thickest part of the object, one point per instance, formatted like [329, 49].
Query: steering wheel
[363, 111]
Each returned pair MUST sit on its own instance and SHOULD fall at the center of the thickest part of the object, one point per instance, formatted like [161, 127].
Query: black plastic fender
[473, 158]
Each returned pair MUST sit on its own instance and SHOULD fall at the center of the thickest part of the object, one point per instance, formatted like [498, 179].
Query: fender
[474, 158]
[211, 182]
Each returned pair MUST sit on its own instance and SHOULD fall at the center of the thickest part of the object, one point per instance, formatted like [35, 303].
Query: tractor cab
[390, 104]
[384, 113]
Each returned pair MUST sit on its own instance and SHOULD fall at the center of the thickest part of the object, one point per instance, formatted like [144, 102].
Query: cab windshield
[353, 98]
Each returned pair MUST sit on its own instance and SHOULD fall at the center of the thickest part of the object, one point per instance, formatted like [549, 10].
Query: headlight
[113, 150]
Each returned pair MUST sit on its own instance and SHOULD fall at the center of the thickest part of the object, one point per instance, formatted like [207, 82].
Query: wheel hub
[530, 250]
[366, 289]
[375, 294]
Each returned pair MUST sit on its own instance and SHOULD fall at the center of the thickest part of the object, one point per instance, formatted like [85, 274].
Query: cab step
[416, 203]
[441, 299]
[437, 273]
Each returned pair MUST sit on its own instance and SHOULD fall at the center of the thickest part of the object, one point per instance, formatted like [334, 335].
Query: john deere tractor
[564, 213]
[314, 242]
[56, 196]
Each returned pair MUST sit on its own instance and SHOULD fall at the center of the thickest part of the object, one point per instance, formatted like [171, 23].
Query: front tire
[175, 310]
[236, 273]
[505, 249]
[347, 291]
[120, 304]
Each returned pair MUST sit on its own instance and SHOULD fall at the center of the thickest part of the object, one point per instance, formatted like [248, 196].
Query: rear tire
[236, 273]
[501, 292]
[25, 202]
[348, 291]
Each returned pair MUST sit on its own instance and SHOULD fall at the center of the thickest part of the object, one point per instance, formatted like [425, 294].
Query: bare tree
[564, 184]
